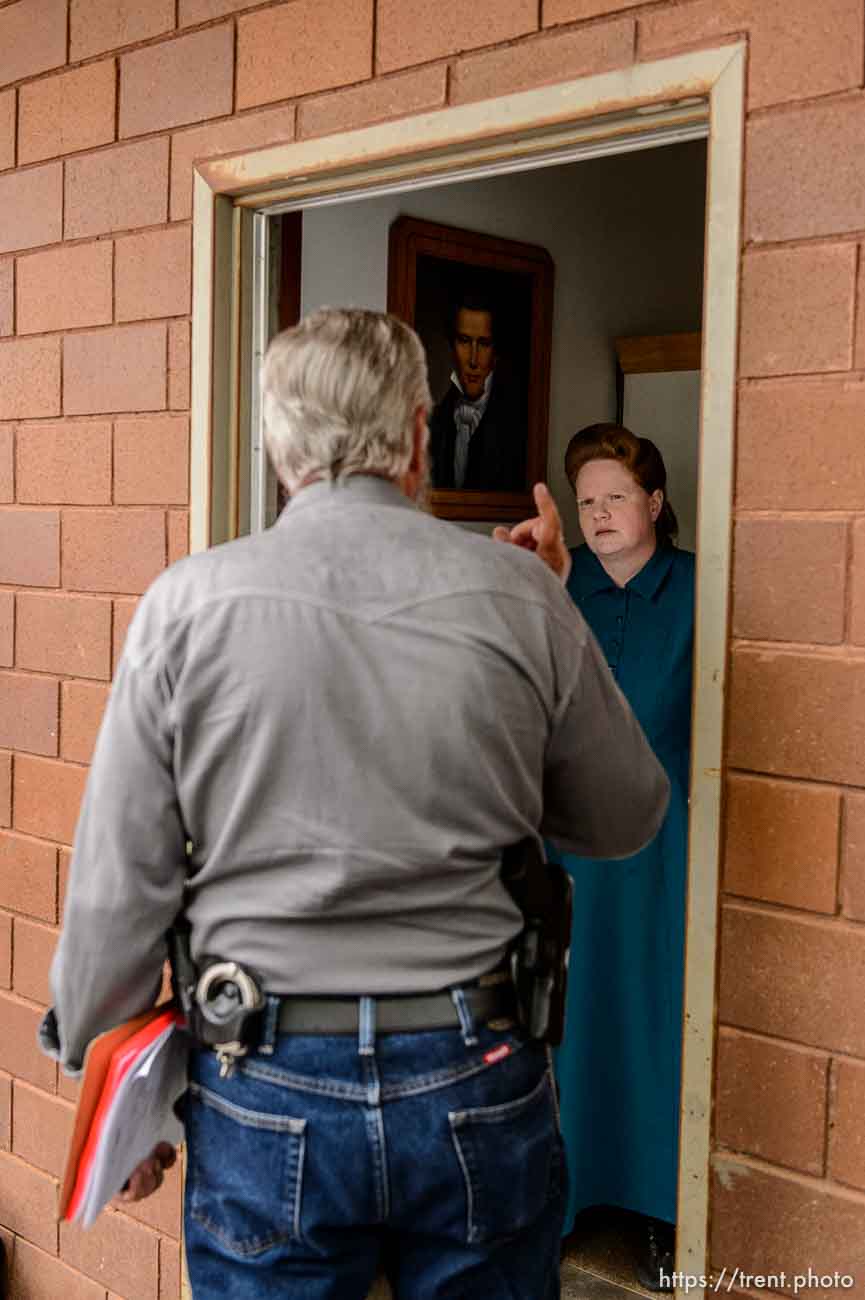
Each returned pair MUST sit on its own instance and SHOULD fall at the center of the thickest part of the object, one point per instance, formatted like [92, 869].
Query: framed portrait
[483, 308]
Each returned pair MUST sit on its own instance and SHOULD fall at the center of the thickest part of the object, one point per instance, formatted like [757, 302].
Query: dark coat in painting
[497, 451]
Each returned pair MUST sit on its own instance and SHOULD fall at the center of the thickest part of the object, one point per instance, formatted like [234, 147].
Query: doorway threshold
[580, 1284]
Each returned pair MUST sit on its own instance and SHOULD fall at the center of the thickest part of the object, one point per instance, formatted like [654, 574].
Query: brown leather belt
[395, 1015]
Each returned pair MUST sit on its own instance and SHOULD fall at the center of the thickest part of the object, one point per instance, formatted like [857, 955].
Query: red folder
[108, 1059]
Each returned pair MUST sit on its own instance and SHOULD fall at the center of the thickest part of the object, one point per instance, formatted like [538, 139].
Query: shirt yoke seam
[286, 597]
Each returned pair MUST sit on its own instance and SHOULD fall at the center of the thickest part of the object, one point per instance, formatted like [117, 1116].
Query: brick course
[153, 275]
[789, 579]
[6, 983]
[556, 57]
[803, 175]
[781, 843]
[64, 464]
[8, 108]
[797, 50]
[295, 49]
[28, 713]
[798, 715]
[7, 297]
[47, 796]
[826, 1225]
[63, 114]
[116, 1252]
[120, 369]
[29, 1202]
[122, 188]
[32, 38]
[20, 1056]
[771, 1100]
[41, 1276]
[151, 461]
[788, 977]
[7, 628]
[410, 31]
[33, 948]
[32, 205]
[30, 547]
[176, 82]
[28, 875]
[7, 463]
[112, 550]
[96, 26]
[64, 634]
[853, 858]
[82, 705]
[29, 378]
[781, 464]
[783, 292]
[65, 288]
[846, 1135]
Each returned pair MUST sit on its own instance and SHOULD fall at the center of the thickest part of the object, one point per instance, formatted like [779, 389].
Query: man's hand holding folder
[147, 1177]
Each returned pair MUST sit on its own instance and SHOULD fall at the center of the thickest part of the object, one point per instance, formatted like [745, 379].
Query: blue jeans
[317, 1164]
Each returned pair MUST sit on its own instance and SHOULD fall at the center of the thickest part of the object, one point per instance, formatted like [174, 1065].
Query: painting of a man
[478, 428]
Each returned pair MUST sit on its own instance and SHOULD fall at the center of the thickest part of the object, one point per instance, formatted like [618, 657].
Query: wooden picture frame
[430, 268]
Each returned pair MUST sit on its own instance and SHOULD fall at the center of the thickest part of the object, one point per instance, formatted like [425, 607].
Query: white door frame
[633, 108]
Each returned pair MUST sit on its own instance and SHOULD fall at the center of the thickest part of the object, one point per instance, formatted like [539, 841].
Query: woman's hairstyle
[339, 393]
[639, 456]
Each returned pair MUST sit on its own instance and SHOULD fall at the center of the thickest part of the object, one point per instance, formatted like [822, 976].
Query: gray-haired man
[349, 717]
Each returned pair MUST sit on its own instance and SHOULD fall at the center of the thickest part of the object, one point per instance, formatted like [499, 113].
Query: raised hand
[542, 533]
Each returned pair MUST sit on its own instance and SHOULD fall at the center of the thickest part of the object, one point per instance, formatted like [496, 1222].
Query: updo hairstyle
[639, 456]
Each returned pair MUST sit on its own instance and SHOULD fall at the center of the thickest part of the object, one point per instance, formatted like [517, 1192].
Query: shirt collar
[357, 489]
[593, 577]
[479, 402]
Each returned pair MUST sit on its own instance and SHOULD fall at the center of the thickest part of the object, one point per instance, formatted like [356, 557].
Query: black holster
[539, 954]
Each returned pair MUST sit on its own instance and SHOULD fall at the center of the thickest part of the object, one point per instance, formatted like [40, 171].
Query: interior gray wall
[625, 234]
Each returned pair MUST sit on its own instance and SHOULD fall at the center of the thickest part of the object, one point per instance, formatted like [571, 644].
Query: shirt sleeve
[605, 793]
[128, 867]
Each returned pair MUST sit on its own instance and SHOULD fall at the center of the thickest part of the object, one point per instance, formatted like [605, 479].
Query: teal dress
[619, 1064]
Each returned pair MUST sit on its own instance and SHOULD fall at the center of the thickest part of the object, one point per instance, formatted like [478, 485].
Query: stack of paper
[133, 1075]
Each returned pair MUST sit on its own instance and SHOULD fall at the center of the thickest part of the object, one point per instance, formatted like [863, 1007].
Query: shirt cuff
[49, 1041]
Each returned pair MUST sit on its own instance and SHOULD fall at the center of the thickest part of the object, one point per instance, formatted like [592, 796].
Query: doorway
[623, 239]
[236, 259]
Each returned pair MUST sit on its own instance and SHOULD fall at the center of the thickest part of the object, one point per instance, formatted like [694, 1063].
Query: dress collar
[591, 576]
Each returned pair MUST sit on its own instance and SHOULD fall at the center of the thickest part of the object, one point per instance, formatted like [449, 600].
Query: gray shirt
[347, 717]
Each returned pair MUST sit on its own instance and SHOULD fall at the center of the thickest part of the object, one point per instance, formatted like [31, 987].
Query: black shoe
[655, 1267]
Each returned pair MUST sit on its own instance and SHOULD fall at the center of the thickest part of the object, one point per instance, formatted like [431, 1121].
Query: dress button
[619, 618]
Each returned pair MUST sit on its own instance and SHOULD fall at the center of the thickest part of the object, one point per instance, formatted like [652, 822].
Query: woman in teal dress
[620, 1061]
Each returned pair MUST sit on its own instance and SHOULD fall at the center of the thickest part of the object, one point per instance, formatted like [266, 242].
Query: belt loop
[366, 1027]
[464, 1014]
[270, 1027]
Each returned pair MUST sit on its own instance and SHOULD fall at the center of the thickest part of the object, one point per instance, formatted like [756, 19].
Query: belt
[393, 1015]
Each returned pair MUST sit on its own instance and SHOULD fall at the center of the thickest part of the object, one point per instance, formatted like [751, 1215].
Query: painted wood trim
[711, 641]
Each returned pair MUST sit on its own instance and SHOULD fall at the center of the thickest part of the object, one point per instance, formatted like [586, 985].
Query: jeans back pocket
[511, 1159]
[245, 1173]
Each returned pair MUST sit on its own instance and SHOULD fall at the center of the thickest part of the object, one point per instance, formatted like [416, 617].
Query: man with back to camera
[477, 439]
[349, 717]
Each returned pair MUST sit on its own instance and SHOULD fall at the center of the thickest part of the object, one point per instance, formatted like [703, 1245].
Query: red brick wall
[104, 105]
